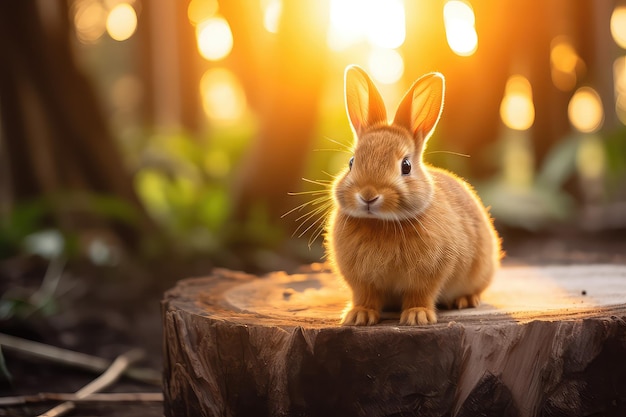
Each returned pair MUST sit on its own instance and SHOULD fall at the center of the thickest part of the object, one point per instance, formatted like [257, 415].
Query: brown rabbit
[404, 234]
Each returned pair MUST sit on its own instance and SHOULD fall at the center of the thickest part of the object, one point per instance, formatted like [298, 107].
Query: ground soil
[107, 312]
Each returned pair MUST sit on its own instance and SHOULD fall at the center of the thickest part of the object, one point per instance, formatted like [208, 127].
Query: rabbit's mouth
[365, 211]
[370, 207]
[369, 203]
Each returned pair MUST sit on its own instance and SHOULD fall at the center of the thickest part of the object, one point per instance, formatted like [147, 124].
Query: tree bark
[545, 341]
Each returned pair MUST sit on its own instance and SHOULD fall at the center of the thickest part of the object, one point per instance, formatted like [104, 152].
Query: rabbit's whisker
[464, 155]
[330, 175]
[342, 145]
[316, 202]
[348, 151]
[321, 183]
[310, 216]
[312, 192]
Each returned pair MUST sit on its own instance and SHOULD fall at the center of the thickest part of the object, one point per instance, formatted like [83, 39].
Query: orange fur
[410, 241]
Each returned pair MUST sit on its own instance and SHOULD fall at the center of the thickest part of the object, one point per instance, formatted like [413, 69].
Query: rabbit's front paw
[417, 316]
[361, 316]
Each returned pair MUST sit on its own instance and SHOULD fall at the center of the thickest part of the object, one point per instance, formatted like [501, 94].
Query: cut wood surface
[545, 341]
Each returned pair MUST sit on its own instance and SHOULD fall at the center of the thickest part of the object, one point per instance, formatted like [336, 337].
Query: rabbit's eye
[351, 162]
[406, 166]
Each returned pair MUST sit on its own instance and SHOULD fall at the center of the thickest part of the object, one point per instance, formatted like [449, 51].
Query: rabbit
[401, 233]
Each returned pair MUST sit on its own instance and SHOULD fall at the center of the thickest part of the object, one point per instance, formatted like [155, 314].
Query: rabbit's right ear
[364, 104]
[421, 107]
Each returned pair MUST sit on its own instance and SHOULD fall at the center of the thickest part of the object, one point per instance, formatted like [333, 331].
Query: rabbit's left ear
[364, 104]
[421, 106]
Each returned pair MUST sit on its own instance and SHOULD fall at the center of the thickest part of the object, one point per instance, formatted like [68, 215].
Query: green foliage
[23, 220]
[531, 208]
[33, 227]
[185, 182]
[185, 190]
[546, 200]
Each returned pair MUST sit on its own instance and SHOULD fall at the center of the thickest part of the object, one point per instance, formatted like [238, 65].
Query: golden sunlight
[618, 26]
[215, 40]
[380, 22]
[585, 110]
[346, 24]
[459, 21]
[387, 23]
[517, 109]
[89, 20]
[385, 65]
[200, 10]
[223, 98]
[121, 22]
[272, 9]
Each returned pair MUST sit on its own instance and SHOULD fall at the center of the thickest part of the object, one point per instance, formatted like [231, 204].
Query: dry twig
[76, 359]
[142, 397]
[107, 378]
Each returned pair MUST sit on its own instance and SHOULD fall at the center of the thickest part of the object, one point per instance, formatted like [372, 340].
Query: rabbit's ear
[421, 106]
[364, 105]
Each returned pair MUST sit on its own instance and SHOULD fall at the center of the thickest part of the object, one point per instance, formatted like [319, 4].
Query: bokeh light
[272, 10]
[215, 40]
[121, 22]
[585, 110]
[563, 56]
[223, 98]
[459, 21]
[200, 10]
[618, 26]
[380, 22]
[517, 109]
[385, 65]
[89, 20]
[565, 64]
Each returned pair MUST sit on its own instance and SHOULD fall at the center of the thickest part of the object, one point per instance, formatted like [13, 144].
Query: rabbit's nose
[368, 200]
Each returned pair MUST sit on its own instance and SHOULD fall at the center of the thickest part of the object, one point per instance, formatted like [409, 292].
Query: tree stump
[545, 341]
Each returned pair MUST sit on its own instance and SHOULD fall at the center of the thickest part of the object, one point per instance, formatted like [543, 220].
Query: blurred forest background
[164, 137]
[145, 141]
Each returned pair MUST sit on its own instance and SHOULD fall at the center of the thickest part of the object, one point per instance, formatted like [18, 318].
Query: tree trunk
[285, 84]
[54, 135]
[170, 67]
[545, 341]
